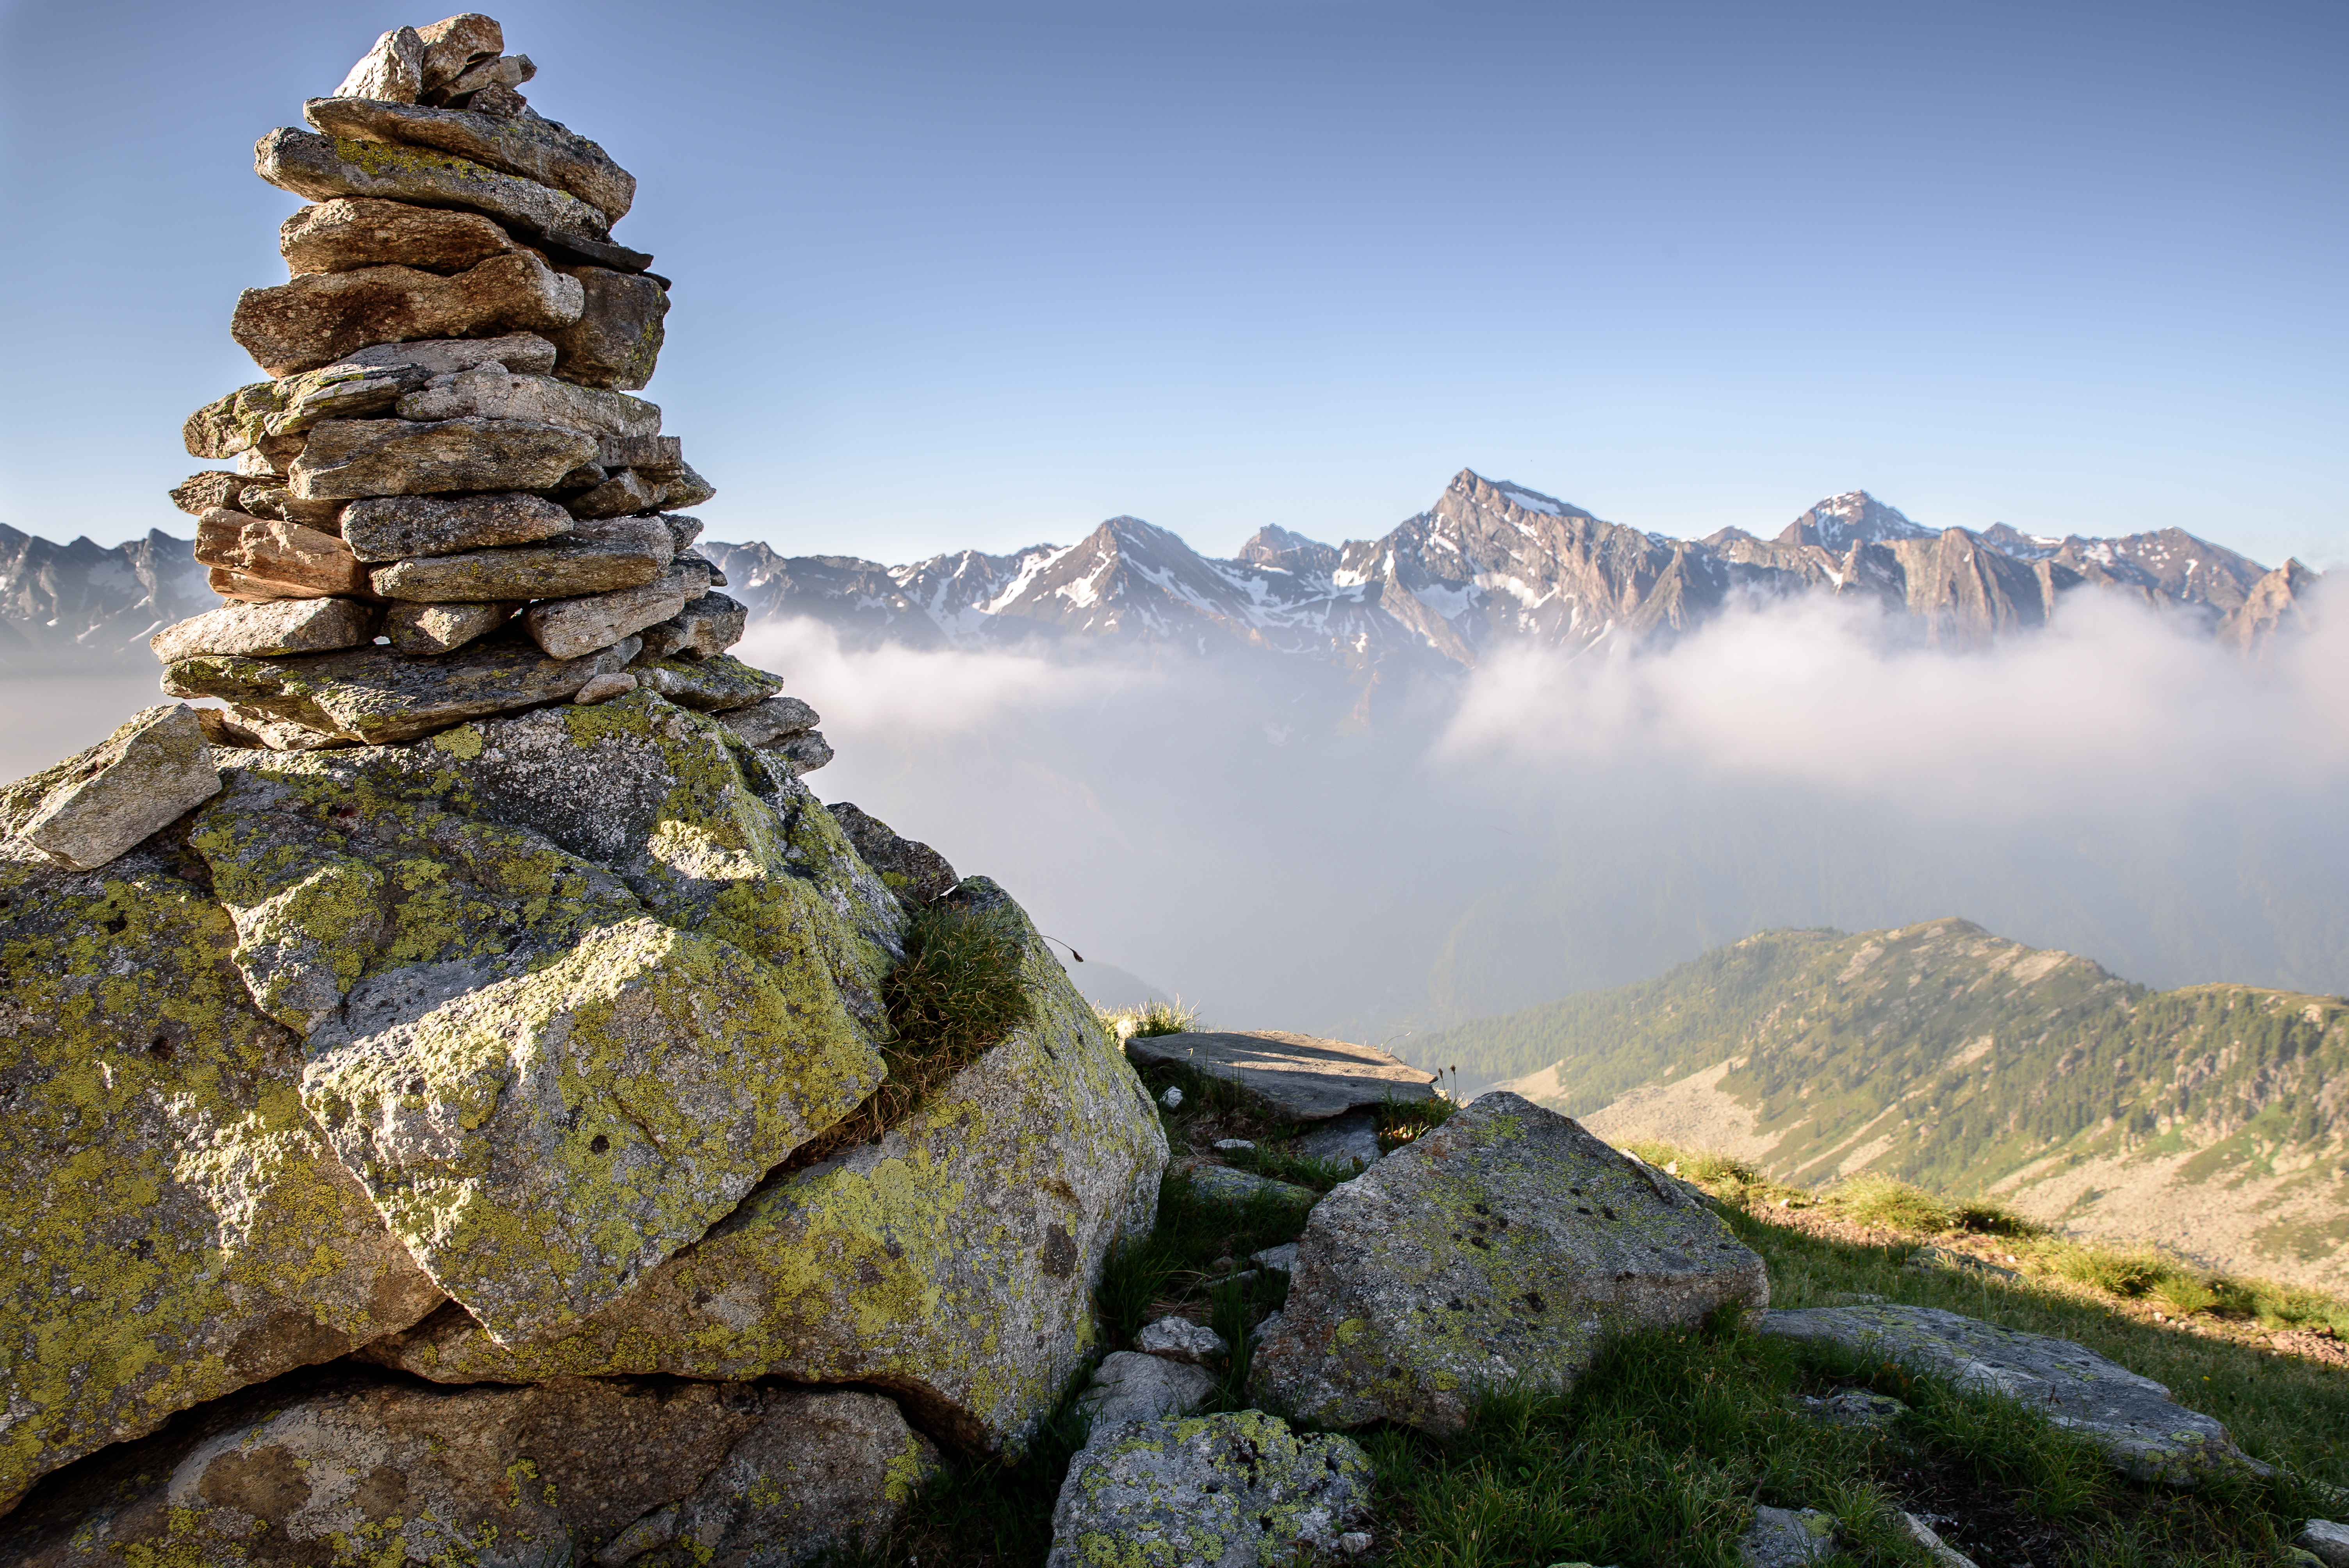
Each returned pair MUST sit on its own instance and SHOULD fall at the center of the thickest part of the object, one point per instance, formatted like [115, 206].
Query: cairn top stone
[1302, 1076]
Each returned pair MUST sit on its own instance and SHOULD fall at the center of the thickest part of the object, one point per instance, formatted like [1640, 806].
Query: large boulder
[1230, 1491]
[177, 1227]
[951, 1262]
[2142, 1430]
[1507, 1245]
[369, 1469]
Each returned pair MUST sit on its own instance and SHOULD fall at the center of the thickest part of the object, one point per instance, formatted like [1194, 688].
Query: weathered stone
[714, 684]
[231, 422]
[363, 1467]
[592, 558]
[491, 392]
[1351, 1140]
[685, 488]
[396, 528]
[615, 339]
[211, 489]
[522, 353]
[1224, 1185]
[1231, 1491]
[376, 697]
[321, 317]
[273, 501]
[454, 45]
[91, 808]
[508, 71]
[618, 496]
[502, 101]
[176, 1229]
[321, 167]
[393, 70]
[1299, 1075]
[277, 560]
[1507, 1245]
[234, 727]
[603, 688]
[1281, 1259]
[682, 531]
[763, 724]
[284, 626]
[1854, 1408]
[950, 1263]
[536, 149]
[803, 753]
[349, 458]
[2326, 1542]
[427, 631]
[1787, 1538]
[1944, 1554]
[2141, 1429]
[655, 456]
[353, 232]
[1180, 1340]
[711, 624]
[1130, 1386]
[566, 628]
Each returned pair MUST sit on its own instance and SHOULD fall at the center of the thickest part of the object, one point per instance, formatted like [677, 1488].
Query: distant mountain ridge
[1489, 563]
[1493, 562]
[2211, 1118]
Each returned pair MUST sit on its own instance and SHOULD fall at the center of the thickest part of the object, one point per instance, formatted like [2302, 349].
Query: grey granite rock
[455, 45]
[915, 872]
[534, 148]
[618, 496]
[1349, 1140]
[1944, 1554]
[2326, 1542]
[605, 687]
[347, 459]
[353, 232]
[321, 167]
[566, 628]
[393, 70]
[521, 353]
[1223, 1491]
[1281, 1259]
[1130, 1386]
[1225, 1185]
[1299, 1075]
[319, 318]
[396, 528]
[1787, 1538]
[2141, 1429]
[492, 392]
[280, 626]
[375, 696]
[708, 625]
[94, 807]
[714, 684]
[615, 339]
[1506, 1245]
[1180, 1340]
[594, 557]
[427, 631]
[1854, 1408]
[803, 753]
[211, 489]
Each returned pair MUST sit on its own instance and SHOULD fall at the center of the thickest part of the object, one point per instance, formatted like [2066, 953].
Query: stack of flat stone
[445, 501]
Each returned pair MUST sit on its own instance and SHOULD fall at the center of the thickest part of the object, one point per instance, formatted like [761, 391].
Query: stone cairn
[446, 503]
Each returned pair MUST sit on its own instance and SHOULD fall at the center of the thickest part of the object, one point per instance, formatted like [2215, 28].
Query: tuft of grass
[1173, 1269]
[1896, 1205]
[1153, 1017]
[956, 996]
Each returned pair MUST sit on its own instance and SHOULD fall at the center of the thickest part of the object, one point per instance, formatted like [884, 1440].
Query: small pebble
[1231, 1145]
[1172, 1098]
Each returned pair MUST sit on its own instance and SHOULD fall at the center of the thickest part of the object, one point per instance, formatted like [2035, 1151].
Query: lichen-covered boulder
[2142, 1430]
[952, 1263]
[176, 1226]
[1232, 1492]
[1508, 1246]
[367, 1468]
[573, 984]
[92, 807]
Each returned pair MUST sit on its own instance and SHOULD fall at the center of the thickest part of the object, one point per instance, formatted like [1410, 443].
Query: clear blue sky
[984, 274]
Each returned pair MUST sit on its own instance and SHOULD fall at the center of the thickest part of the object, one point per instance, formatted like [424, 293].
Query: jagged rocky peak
[1852, 518]
[1284, 550]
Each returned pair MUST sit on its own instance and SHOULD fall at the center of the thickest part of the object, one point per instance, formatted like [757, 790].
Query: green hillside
[2209, 1118]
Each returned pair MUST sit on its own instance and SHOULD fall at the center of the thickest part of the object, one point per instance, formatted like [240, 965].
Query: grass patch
[1153, 1017]
[956, 996]
[1198, 1242]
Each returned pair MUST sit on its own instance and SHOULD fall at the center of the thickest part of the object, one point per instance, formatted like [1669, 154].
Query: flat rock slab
[346, 460]
[1227, 1492]
[268, 629]
[953, 1261]
[591, 558]
[1349, 1140]
[1131, 1386]
[1507, 1245]
[616, 339]
[377, 696]
[495, 392]
[395, 528]
[94, 807]
[319, 318]
[2326, 1542]
[1301, 1076]
[907, 867]
[708, 626]
[428, 631]
[353, 232]
[1225, 1185]
[534, 148]
[714, 685]
[572, 1471]
[2141, 1429]
[567, 628]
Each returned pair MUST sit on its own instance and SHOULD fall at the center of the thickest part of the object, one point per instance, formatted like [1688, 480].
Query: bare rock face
[595, 558]
[321, 167]
[1509, 1244]
[320, 317]
[952, 1263]
[372, 696]
[347, 459]
[394, 528]
[178, 1228]
[573, 1471]
[280, 626]
[91, 808]
[353, 232]
[614, 339]
[536, 149]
